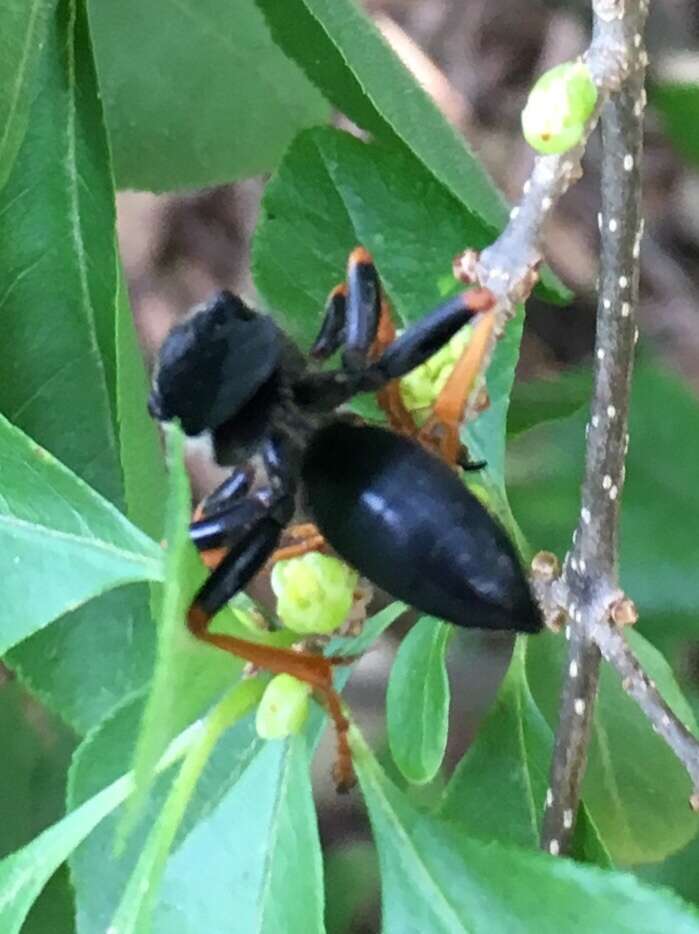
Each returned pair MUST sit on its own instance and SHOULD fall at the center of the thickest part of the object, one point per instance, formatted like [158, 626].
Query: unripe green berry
[419, 388]
[558, 107]
[314, 592]
[283, 709]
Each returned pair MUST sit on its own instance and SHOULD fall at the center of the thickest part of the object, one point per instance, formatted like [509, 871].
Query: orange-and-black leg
[441, 431]
[237, 532]
[358, 321]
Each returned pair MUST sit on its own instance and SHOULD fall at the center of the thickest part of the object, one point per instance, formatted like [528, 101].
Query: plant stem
[589, 585]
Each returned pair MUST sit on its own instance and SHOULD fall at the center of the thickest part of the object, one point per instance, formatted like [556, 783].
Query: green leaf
[635, 789]
[97, 762]
[216, 800]
[58, 259]
[498, 789]
[256, 99]
[135, 908]
[24, 873]
[61, 543]
[188, 674]
[661, 496]
[23, 31]
[435, 879]
[114, 632]
[256, 859]
[417, 701]
[374, 627]
[250, 794]
[333, 191]
[59, 384]
[342, 52]
[545, 400]
[678, 103]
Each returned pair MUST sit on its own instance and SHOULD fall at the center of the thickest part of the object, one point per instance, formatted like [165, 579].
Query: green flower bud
[283, 709]
[559, 105]
[420, 388]
[314, 592]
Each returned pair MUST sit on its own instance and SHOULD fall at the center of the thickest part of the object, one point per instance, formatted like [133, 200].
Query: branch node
[623, 612]
[545, 566]
[465, 266]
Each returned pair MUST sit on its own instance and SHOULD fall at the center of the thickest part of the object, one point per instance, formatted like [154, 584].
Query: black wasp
[389, 502]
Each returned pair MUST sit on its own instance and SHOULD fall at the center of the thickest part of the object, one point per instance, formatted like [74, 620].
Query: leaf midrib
[21, 74]
[83, 541]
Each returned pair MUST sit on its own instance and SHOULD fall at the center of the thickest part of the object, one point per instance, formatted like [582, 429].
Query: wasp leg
[363, 309]
[426, 337]
[389, 397]
[441, 431]
[234, 572]
[332, 327]
[304, 538]
[351, 314]
[233, 487]
[214, 535]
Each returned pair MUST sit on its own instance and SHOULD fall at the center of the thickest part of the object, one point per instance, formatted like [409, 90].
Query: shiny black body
[406, 520]
[397, 513]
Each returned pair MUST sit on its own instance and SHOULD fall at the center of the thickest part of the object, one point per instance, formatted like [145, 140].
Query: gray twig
[589, 585]
[587, 593]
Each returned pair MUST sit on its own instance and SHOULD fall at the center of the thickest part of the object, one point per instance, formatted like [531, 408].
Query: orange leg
[305, 538]
[212, 557]
[441, 432]
[389, 398]
[314, 670]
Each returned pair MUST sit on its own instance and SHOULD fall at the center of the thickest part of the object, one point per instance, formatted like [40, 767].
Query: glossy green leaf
[58, 259]
[266, 875]
[678, 103]
[417, 701]
[97, 762]
[438, 880]
[61, 543]
[498, 789]
[100, 759]
[135, 907]
[333, 191]
[24, 27]
[256, 99]
[59, 384]
[251, 792]
[341, 50]
[636, 791]
[24, 873]
[344, 54]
